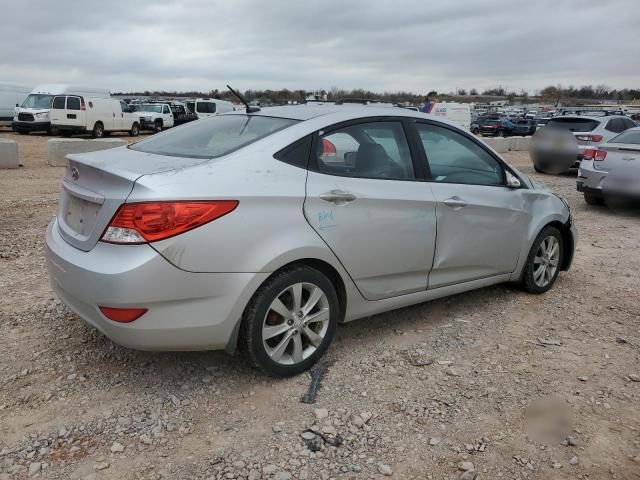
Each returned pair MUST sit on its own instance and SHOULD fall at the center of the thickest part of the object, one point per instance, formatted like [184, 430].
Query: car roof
[309, 111]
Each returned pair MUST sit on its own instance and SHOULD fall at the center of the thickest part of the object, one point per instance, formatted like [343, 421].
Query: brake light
[589, 138]
[593, 154]
[136, 223]
[123, 315]
[328, 148]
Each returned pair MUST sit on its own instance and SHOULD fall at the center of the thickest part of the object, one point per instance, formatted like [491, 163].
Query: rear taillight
[122, 315]
[593, 154]
[328, 148]
[82, 105]
[589, 138]
[145, 222]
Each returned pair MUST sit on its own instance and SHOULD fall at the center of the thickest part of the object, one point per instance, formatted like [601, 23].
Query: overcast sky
[381, 45]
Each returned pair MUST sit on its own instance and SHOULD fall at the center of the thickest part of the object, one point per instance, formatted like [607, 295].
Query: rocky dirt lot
[493, 384]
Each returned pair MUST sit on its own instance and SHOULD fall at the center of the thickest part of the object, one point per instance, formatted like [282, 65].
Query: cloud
[384, 45]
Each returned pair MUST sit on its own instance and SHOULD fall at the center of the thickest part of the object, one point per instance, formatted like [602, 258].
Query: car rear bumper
[19, 126]
[589, 179]
[186, 311]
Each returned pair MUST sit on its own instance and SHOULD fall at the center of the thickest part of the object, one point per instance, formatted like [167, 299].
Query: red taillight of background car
[589, 138]
[145, 222]
[122, 315]
[328, 148]
[593, 154]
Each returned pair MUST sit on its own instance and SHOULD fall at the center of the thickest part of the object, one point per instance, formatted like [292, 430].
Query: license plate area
[80, 215]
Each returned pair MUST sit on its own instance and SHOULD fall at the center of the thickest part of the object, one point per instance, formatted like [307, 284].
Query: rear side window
[454, 158]
[629, 123]
[630, 136]
[58, 103]
[296, 154]
[616, 125]
[191, 106]
[214, 136]
[73, 103]
[573, 124]
[206, 107]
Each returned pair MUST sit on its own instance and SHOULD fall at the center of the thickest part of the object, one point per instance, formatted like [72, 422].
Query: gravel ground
[490, 384]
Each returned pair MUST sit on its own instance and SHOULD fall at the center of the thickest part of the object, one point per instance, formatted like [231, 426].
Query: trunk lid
[619, 155]
[96, 184]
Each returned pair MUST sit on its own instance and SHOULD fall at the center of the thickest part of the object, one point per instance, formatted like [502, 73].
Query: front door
[365, 202]
[481, 222]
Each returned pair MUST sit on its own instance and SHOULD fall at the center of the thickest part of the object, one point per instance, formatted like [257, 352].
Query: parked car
[206, 107]
[11, 96]
[33, 114]
[157, 116]
[496, 127]
[524, 127]
[73, 114]
[620, 154]
[458, 113]
[254, 229]
[591, 131]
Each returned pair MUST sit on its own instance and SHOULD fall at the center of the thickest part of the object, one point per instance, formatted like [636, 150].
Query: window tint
[366, 150]
[213, 137]
[296, 154]
[629, 136]
[573, 124]
[73, 103]
[206, 107]
[615, 125]
[628, 123]
[124, 106]
[165, 109]
[58, 103]
[454, 158]
[177, 109]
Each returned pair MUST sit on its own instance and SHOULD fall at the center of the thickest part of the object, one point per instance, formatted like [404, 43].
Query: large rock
[8, 153]
[519, 144]
[59, 148]
[499, 144]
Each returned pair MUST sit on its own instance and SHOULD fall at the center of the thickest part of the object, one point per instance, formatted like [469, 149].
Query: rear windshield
[573, 124]
[213, 137]
[37, 101]
[630, 136]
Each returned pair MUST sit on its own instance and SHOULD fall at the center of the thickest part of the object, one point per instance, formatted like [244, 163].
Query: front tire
[544, 261]
[290, 321]
[157, 126]
[135, 130]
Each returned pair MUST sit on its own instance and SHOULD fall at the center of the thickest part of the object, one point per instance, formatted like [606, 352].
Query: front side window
[124, 107]
[165, 109]
[73, 103]
[366, 150]
[58, 103]
[454, 158]
[213, 137]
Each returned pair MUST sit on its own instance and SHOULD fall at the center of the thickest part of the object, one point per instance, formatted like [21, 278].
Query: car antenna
[250, 109]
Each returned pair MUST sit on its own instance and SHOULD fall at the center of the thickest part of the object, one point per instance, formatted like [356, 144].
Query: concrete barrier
[519, 144]
[58, 148]
[499, 144]
[8, 153]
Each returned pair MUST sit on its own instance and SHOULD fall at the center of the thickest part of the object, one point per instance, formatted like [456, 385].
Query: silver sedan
[266, 229]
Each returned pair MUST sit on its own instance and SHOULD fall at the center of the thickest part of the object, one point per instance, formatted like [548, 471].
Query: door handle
[338, 197]
[455, 202]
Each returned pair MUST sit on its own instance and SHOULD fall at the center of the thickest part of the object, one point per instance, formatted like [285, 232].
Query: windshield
[150, 108]
[37, 101]
[213, 137]
[630, 136]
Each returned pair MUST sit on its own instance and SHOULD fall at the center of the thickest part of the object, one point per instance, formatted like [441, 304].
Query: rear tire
[543, 263]
[535, 167]
[592, 199]
[135, 130]
[301, 330]
[98, 130]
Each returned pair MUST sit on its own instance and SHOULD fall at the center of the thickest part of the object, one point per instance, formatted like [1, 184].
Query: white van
[207, 107]
[100, 116]
[33, 113]
[10, 97]
[459, 113]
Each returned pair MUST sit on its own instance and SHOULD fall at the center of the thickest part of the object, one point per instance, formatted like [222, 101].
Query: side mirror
[513, 181]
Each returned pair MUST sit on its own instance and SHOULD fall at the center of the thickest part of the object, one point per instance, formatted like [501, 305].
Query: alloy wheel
[296, 323]
[545, 262]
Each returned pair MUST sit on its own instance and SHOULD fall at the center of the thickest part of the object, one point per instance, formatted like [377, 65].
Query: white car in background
[11, 96]
[207, 107]
[75, 114]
